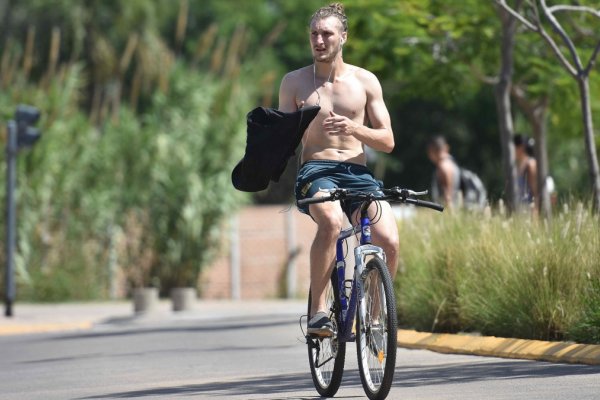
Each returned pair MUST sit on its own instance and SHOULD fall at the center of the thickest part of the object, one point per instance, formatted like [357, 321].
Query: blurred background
[143, 117]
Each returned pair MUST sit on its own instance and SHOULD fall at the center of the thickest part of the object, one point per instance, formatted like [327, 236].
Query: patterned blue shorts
[315, 175]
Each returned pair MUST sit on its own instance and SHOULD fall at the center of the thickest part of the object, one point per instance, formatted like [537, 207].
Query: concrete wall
[263, 255]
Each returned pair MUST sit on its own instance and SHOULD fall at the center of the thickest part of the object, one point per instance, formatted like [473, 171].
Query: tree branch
[559, 8]
[558, 28]
[517, 92]
[490, 80]
[524, 21]
[537, 27]
[561, 57]
[592, 60]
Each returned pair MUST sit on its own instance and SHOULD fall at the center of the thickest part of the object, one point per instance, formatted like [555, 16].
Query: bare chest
[344, 96]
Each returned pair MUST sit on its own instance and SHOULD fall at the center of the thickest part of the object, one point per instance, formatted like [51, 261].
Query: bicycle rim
[377, 331]
[326, 355]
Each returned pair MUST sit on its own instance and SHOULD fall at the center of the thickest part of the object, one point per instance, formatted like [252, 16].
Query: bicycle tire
[377, 358]
[327, 377]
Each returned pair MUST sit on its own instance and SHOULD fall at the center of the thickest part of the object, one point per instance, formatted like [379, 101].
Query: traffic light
[25, 117]
[21, 134]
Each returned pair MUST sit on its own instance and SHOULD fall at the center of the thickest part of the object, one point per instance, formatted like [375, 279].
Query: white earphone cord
[318, 95]
[328, 78]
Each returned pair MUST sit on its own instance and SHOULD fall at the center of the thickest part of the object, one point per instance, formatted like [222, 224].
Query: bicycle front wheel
[326, 356]
[377, 331]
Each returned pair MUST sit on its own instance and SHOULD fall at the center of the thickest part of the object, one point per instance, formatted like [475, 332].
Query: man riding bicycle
[353, 115]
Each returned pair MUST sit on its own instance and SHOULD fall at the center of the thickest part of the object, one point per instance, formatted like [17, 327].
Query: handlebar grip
[424, 203]
[314, 200]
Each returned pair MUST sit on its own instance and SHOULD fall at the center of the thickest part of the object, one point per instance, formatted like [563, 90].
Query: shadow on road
[412, 376]
[269, 386]
[288, 386]
[186, 326]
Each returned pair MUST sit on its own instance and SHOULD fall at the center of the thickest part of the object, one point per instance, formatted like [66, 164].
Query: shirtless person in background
[353, 114]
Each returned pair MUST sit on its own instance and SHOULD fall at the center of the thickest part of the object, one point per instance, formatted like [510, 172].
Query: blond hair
[332, 10]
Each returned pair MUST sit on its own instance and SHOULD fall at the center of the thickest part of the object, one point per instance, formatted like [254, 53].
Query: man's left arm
[379, 136]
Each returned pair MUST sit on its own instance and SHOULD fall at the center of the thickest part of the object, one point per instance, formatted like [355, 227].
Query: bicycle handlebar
[314, 200]
[427, 204]
[394, 194]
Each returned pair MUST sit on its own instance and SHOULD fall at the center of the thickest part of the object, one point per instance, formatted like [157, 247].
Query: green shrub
[145, 193]
[587, 328]
[506, 277]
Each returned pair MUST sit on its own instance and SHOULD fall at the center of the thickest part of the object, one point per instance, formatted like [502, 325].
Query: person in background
[526, 169]
[445, 187]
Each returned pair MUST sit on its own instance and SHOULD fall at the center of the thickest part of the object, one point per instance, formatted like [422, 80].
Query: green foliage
[199, 139]
[153, 190]
[432, 58]
[587, 329]
[141, 121]
[504, 277]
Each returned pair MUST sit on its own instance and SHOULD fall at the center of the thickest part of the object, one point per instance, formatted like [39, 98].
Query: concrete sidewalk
[39, 318]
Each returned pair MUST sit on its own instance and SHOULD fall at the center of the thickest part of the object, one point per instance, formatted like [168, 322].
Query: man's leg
[384, 233]
[329, 218]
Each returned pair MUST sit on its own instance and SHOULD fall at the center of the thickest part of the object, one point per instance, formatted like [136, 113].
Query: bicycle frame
[348, 304]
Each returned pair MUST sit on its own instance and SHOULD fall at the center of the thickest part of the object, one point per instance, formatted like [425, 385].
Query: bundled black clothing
[272, 139]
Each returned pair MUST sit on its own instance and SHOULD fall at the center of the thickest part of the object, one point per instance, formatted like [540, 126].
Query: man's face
[433, 154]
[520, 151]
[437, 154]
[325, 38]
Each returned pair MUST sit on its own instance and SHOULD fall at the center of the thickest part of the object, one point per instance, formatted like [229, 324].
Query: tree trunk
[503, 106]
[590, 143]
[541, 156]
[5, 27]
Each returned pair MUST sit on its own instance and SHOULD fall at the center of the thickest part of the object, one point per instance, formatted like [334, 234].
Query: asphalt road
[250, 357]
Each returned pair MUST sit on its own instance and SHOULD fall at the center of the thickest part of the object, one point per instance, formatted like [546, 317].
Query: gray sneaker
[320, 325]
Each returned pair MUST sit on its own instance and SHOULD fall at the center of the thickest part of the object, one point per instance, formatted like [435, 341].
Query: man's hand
[338, 125]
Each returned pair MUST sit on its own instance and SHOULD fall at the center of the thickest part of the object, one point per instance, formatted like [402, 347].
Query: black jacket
[272, 138]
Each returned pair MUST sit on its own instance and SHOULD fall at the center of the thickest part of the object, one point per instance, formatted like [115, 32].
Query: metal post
[21, 134]
[112, 263]
[11, 220]
[290, 234]
[234, 258]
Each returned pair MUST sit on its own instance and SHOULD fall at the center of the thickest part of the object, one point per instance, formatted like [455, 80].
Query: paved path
[248, 351]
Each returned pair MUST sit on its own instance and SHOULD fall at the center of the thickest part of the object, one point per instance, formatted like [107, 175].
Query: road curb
[491, 346]
[22, 329]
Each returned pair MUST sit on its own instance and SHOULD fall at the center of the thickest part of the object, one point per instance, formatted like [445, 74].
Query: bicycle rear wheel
[326, 356]
[376, 339]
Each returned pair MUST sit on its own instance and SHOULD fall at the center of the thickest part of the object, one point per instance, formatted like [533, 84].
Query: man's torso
[345, 96]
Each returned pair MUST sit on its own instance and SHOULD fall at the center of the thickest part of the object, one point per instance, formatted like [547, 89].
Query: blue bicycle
[368, 298]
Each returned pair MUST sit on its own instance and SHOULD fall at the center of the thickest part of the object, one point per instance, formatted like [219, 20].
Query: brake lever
[407, 193]
[422, 193]
[335, 193]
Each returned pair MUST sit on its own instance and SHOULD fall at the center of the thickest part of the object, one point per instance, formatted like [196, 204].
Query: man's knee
[390, 243]
[386, 235]
[330, 224]
[329, 220]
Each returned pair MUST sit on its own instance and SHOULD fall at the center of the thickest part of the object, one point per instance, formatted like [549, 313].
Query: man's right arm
[287, 94]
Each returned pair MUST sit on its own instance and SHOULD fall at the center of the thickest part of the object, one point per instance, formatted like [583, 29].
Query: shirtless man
[353, 114]
[445, 187]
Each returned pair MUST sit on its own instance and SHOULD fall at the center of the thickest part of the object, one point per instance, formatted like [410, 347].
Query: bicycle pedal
[322, 334]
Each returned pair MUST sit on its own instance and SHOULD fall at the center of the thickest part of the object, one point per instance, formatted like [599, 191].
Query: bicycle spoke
[377, 323]
[374, 349]
[326, 354]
